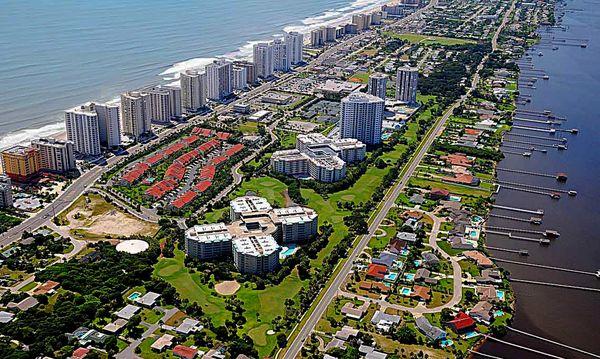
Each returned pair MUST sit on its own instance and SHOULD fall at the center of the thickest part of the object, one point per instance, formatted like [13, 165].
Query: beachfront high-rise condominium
[361, 21]
[6, 200]
[165, 103]
[109, 124]
[255, 254]
[377, 85]
[361, 117]
[21, 163]
[294, 42]
[135, 114]
[263, 59]
[83, 129]
[280, 56]
[330, 34]
[55, 156]
[193, 91]
[317, 37]
[250, 70]
[240, 78]
[219, 79]
[407, 79]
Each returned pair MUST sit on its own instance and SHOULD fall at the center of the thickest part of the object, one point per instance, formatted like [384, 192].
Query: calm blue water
[57, 54]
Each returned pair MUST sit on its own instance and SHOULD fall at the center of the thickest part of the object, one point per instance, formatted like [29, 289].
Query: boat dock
[549, 175]
[522, 252]
[545, 138]
[530, 143]
[539, 212]
[546, 233]
[528, 128]
[555, 190]
[544, 266]
[546, 122]
[532, 220]
[541, 241]
[558, 285]
[553, 195]
[524, 148]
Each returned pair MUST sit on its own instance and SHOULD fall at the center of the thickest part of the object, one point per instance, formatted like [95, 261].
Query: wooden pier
[539, 212]
[545, 266]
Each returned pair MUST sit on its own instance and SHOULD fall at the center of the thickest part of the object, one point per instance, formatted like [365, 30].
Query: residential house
[433, 333]
[421, 293]
[486, 293]
[438, 193]
[346, 333]
[384, 322]
[184, 352]
[165, 341]
[478, 257]
[406, 237]
[482, 311]
[385, 258]
[376, 271]
[351, 311]
[462, 323]
[430, 259]
[148, 300]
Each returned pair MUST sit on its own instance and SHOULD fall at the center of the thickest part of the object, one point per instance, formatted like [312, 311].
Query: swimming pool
[409, 276]
[398, 264]
[405, 291]
[500, 294]
[446, 343]
[498, 313]
[392, 276]
[404, 252]
[134, 295]
[454, 198]
[418, 262]
[288, 251]
[470, 335]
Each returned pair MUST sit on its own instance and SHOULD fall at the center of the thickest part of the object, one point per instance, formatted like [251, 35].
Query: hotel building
[294, 42]
[193, 91]
[219, 77]
[263, 59]
[135, 114]
[21, 163]
[378, 85]
[55, 156]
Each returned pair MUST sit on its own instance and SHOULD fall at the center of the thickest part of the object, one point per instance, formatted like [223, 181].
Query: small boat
[527, 154]
[555, 48]
[574, 130]
[584, 45]
[546, 77]
[572, 193]
[540, 54]
[598, 274]
[561, 147]
[555, 195]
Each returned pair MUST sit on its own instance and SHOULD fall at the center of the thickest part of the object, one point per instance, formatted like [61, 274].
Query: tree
[405, 335]
[446, 315]
[281, 340]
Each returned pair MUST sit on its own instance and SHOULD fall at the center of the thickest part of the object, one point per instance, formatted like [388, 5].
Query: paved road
[295, 346]
[129, 352]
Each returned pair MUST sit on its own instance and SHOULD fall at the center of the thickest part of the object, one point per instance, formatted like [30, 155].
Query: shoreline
[171, 74]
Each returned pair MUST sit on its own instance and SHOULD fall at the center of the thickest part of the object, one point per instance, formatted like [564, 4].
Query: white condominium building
[165, 103]
[317, 37]
[219, 77]
[407, 79]
[208, 241]
[294, 42]
[240, 78]
[361, 21]
[298, 224]
[83, 129]
[109, 124]
[263, 59]
[193, 91]
[361, 117]
[319, 157]
[330, 34]
[280, 56]
[255, 254]
[6, 200]
[378, 85]
[248, 204]
[135, 114]
[55, 155]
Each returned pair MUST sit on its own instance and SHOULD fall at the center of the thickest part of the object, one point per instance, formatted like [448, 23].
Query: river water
[565, 315]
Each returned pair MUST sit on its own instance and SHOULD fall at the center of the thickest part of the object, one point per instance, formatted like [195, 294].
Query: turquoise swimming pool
[404, 252]
[409, 276]
[392, 276]
[405, 291]
[470, 335]
[446, 343]
[288, 251]
[500, 294]
[417, 262]
[134, 296]
[498, 313]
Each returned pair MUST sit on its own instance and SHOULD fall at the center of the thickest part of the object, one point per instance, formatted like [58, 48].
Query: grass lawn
[150, 316]
[248, 127]
[268, 187]
[148, 353]
[8, 221]
[28, 287]
[469, 267]
[361, 77]
[447, 247]
[189, 287]
[453, 188]
[430, 39]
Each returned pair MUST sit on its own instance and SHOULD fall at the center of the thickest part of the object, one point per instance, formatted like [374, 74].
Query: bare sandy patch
[227, 287]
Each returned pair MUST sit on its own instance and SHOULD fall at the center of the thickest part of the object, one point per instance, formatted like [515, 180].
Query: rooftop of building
[258, 246]
[250, 204]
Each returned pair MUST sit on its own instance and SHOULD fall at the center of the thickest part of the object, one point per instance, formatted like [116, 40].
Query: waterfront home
[486, 293]
[478, 257]
[459, 242]
[482, 311]
[489, 276]
[433, 333]
[463, 178]
[459, 159]
[462, 323]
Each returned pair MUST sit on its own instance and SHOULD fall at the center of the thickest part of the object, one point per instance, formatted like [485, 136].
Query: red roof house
[233, 150]
[80, 353]
[438, 193]
[185, 352]
[462, 323]
[203, 186]
[175, 172]
[223, 135]
[376, 271]
[207, 172]
[184, 199]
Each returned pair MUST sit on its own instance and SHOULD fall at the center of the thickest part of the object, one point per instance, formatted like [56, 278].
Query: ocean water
[58, 54]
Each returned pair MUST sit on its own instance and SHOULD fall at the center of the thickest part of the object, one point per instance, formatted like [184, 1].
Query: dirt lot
[91, 216]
